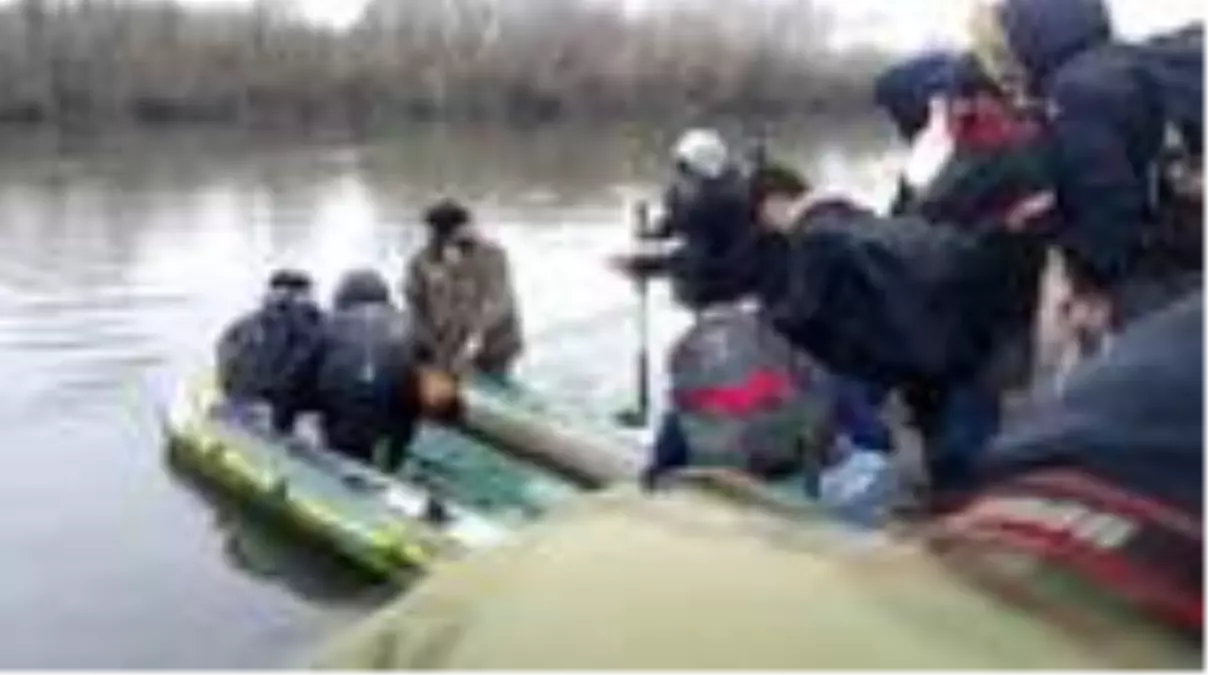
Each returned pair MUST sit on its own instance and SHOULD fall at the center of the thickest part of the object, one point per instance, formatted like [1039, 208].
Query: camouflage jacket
[463, 307]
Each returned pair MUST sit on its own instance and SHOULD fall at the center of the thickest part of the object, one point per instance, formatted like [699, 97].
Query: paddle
[639, 414]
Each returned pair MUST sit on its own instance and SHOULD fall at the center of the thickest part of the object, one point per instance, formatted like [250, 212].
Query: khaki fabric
[697, 580]
[992, 48]
[463, 295]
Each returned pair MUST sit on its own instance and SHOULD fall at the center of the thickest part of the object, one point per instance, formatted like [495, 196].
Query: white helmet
[703, 152]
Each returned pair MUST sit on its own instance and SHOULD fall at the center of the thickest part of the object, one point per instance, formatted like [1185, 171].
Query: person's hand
[468, 355]
[638, 265]
[1089, 311]
[625, 263]
[439, 394]
[1028, 210]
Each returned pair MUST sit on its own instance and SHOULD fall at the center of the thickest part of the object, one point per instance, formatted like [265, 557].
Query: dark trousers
[383, 446]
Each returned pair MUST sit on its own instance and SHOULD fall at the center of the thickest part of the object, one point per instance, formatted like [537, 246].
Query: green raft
[383, 523]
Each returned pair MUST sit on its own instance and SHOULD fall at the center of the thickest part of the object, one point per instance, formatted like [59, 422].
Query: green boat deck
[377, 521]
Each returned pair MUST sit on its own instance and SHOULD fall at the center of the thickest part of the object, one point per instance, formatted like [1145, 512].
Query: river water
[123, 257]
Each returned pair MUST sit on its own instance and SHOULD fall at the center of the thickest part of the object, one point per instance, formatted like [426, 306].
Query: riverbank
[89, 65]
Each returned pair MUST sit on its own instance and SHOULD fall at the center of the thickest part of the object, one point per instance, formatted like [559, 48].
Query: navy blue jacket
[1133, 417]
[366, 384]
[1105, 131]
[905, 89]
[268, 355]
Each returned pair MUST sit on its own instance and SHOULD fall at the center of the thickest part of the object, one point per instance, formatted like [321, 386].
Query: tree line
[82, 62]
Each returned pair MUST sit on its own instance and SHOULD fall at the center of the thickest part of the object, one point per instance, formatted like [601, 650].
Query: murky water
[120, 261]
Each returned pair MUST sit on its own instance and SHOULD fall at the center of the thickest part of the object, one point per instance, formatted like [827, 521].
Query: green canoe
[380, 522]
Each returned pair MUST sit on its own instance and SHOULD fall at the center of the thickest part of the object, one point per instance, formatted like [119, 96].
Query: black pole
[639, 415]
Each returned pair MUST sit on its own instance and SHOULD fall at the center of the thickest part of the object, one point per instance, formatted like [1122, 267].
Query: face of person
[777, 213]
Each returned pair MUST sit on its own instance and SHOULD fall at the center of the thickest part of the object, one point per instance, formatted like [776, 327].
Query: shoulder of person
[488, 247]
[1100, 77]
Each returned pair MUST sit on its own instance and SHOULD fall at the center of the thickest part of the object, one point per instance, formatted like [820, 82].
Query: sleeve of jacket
[500, 323]
[415, 294]
[499, 299]
[1102, 190]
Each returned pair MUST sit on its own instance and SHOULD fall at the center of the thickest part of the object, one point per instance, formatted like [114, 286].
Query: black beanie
[287, 279]
[446, 216]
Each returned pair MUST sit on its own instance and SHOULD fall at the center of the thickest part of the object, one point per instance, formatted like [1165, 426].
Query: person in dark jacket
[367, 379]
[266, 355]
[1106, 130]
[994, 152]
[899, 303]
[708, 211]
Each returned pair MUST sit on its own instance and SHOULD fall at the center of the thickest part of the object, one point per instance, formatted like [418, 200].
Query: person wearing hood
[266, 355]
[1081, 548]
[906, 92]
[972, 152]
[367, 379]
[1106, 124]
[460, 297]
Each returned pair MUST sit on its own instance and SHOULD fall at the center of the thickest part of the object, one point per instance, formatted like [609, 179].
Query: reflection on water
[254, 546]
[121, 261]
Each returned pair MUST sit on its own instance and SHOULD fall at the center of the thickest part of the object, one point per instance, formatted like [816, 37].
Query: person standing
[459, 292]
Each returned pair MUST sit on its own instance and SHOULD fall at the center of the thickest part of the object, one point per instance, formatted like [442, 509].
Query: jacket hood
[905, 89]
[1152, 443]
[361, 287]
[1044, 34]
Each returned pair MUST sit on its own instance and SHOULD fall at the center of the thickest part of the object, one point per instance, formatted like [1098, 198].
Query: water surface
[121, 261]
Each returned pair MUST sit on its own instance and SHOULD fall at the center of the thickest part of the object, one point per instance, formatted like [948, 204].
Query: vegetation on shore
[104, 62]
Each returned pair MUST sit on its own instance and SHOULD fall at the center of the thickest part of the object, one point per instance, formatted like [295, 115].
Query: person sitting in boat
[744, 399]
[264, 356]
[1080, 548]
[367, 378]
[460, 296]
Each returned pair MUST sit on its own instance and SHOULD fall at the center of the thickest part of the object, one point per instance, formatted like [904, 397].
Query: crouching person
[369, 387]
[897, 302]
[265, 357]
[744, 400]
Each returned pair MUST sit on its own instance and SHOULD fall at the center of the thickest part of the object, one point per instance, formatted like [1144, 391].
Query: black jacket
[714, 222]
[890, 300]
[1106, 130]
[366, 382]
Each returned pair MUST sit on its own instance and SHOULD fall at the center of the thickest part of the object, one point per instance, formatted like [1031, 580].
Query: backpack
[1171, 66]
[746, 399]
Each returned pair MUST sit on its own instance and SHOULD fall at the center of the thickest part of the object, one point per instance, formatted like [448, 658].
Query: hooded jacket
[1104, 128]
[365, 383]
[885, 300]
[1152, 440]
[905, 89]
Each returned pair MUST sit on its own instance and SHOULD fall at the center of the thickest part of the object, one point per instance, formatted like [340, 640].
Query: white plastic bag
[931, 149]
